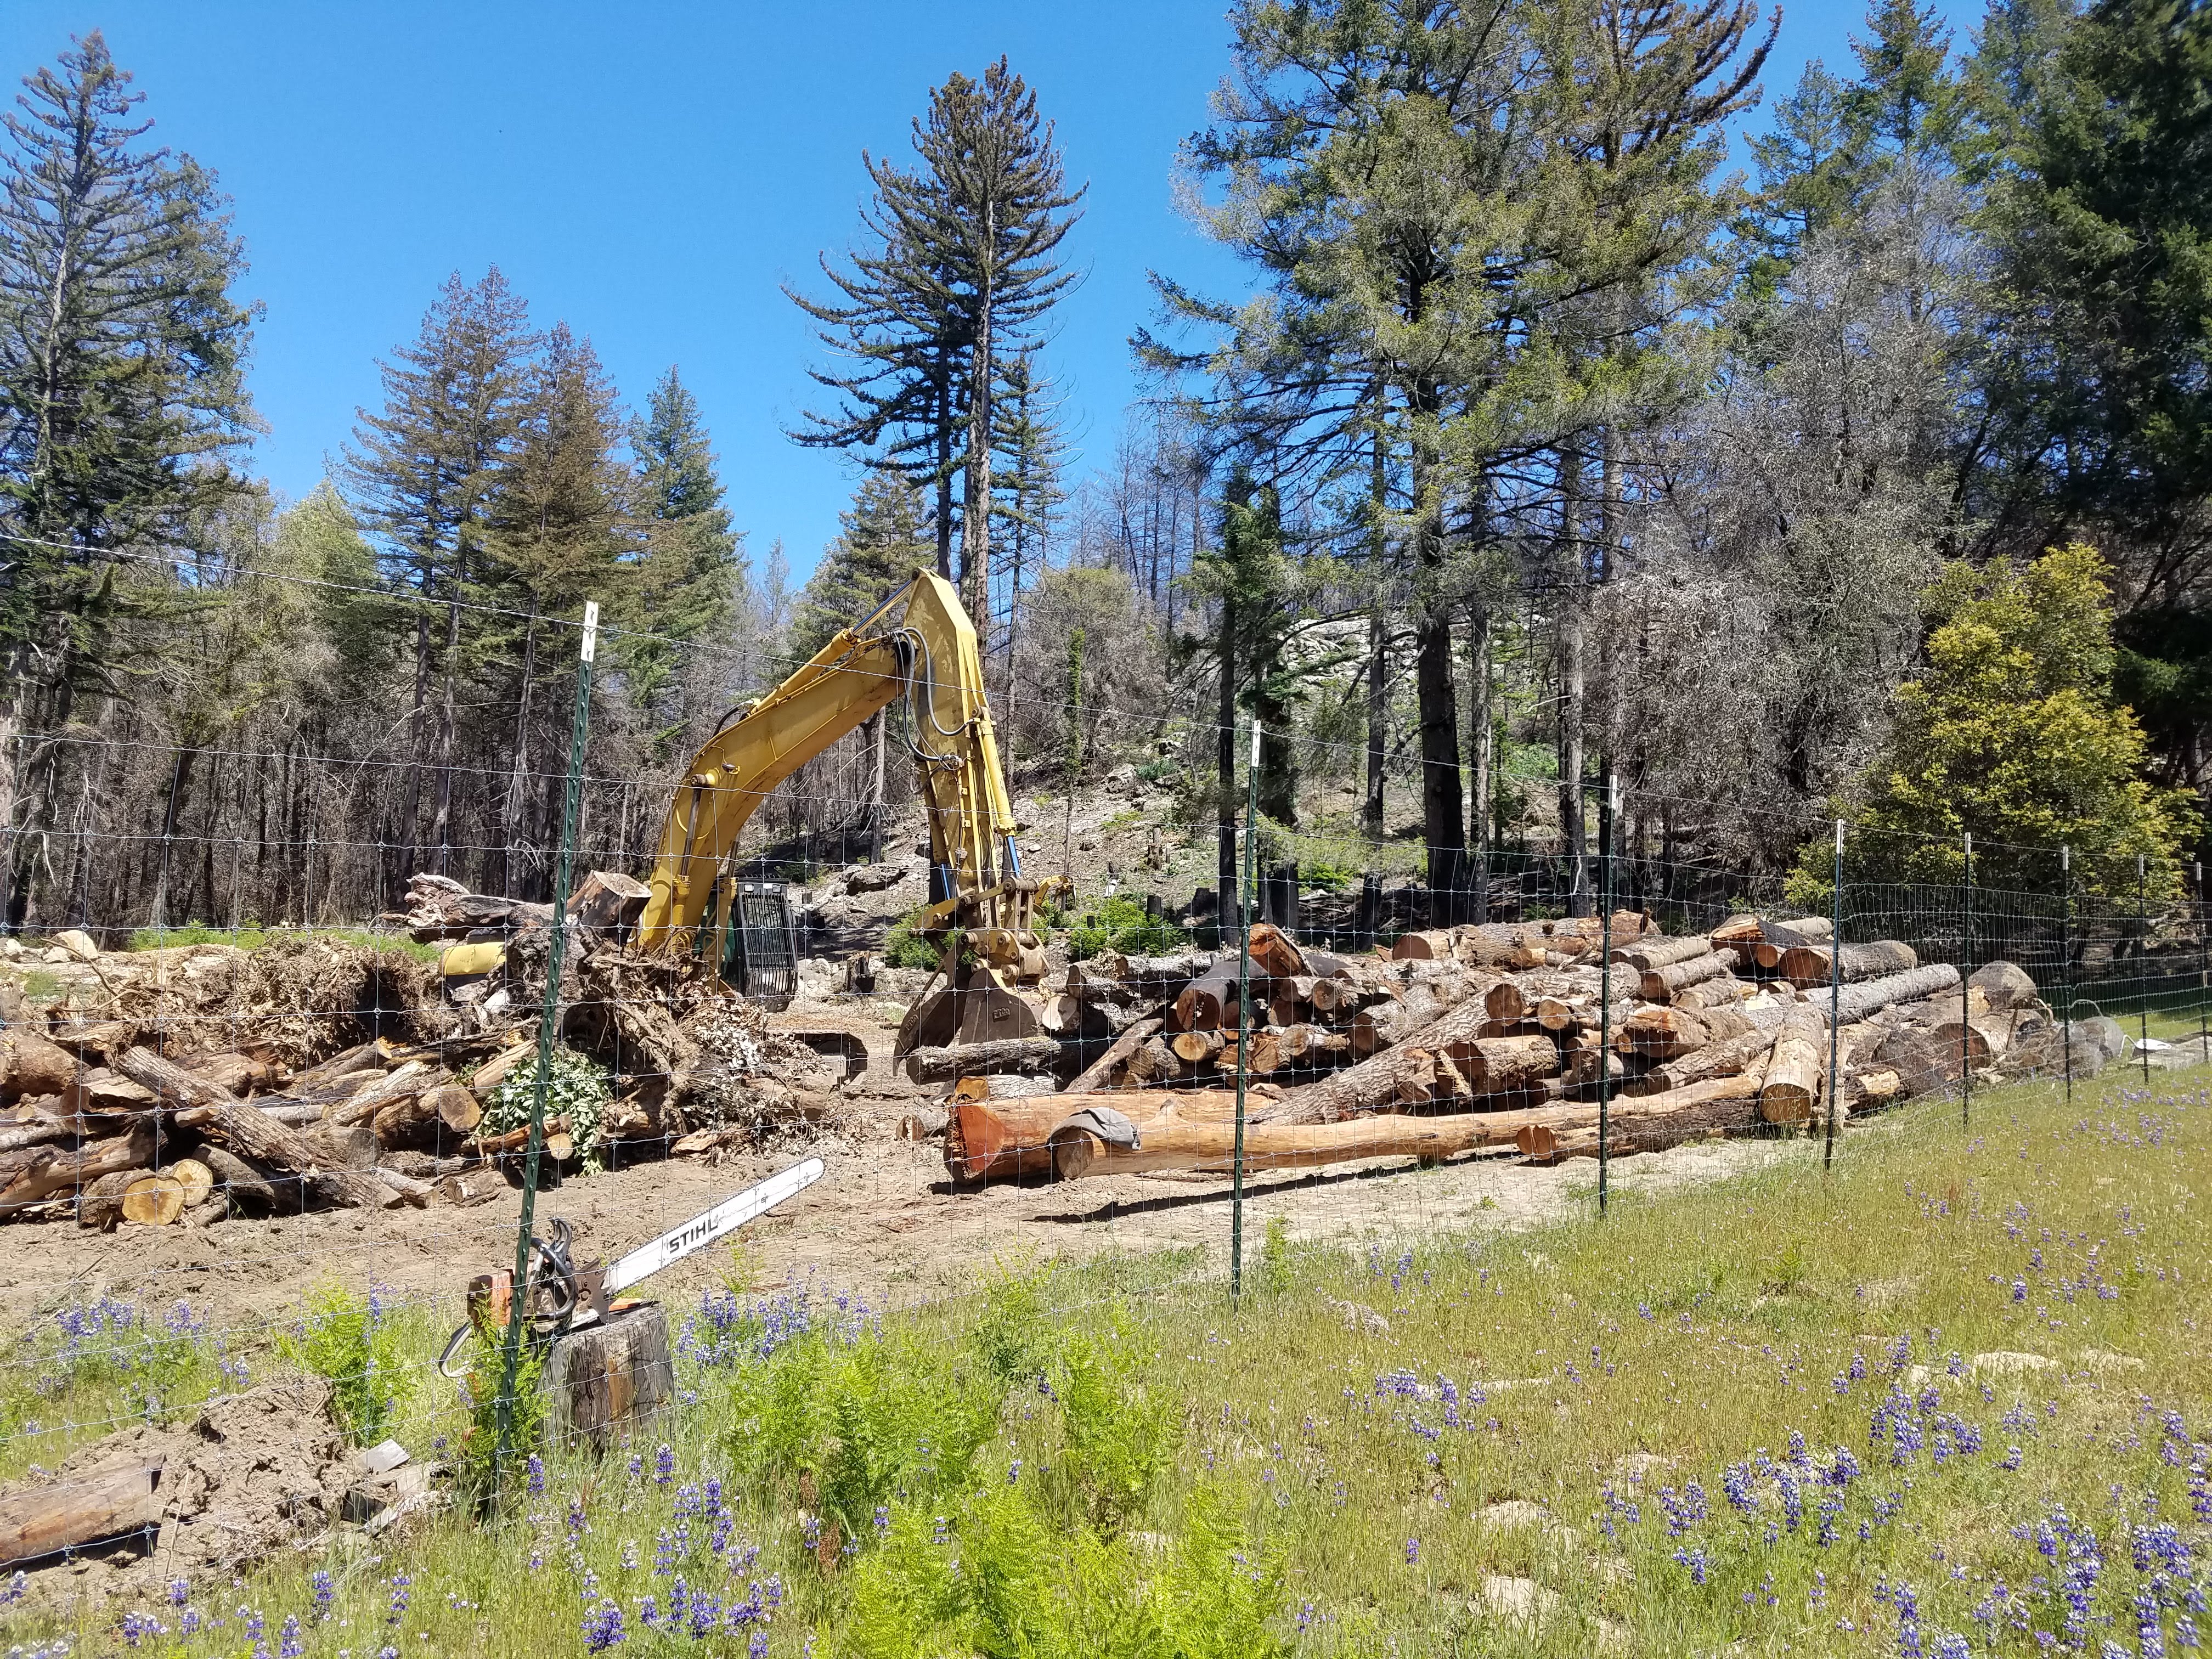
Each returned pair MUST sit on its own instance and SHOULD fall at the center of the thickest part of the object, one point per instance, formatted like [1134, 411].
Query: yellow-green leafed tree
[2012, 734]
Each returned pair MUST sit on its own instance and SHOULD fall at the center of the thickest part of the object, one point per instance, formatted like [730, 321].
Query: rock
[2006, 984]
[1639, 1466]
[55, 957]
[1519, 1600]
[11, 948]
[2104, 1032]
[2004, 1362]
[1511, 1512]
[383, 1458]
[1121, 775]
[78, 944]
[2104, 1362]
[2174, 1056]
[1358, 1316]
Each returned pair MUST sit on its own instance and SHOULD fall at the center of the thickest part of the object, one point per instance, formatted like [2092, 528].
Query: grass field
[1949, 1398]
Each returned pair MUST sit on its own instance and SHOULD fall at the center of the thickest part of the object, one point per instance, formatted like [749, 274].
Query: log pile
[1486, 1037]
[198, 1083]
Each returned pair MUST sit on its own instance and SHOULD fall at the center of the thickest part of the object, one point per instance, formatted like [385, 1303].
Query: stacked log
[1477, 1028]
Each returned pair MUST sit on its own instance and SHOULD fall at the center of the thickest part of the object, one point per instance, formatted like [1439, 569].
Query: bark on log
[1290, 1002]
[1809, 965]
[513, 1140]
[1176, 1145]
[1729, 1058]
[1797, 1069]
[38, 1173]
[1859, 1000]
[67, 1512]
[1496, 1065]
[100, 1204]
[1374, 1081]
[1094, 1075]
[1650, 1123]
[1660, 984]
[1776, 937]
[1427, 1000]
[1664, 1033]
[1274, 952]
[1011, 1140]
[343, 1149]
[982, 1059]
[2006, 984]
[1432, 945]
[244, 1130]
[1726, 992]
[1649, 955]
[1742, 932]
[1209, 1004]
[607, 902]
[1152, 1061]
[362, 1105]
[415, 1193]
[30, 1064]
[602, 1381]
[245, 1185]
[239, 1074]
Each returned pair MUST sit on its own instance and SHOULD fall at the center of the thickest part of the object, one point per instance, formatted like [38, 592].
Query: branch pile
[1490, 1035]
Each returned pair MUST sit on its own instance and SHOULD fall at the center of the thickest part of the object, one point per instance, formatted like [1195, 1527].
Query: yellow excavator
[917, 650]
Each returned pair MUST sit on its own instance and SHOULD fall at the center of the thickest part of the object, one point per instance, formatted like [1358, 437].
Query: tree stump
[603, 1379]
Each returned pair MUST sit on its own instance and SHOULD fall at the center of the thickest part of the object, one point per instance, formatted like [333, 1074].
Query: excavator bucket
[959, 1015]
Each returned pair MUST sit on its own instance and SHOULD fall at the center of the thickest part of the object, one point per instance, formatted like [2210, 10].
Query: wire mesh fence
[266, 1119]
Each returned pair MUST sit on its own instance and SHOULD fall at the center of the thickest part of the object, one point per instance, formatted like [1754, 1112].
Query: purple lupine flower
[1735, 1485]
[664, 1464]
[179, 1592]
[603, 1627]
[290, 1644]
[1695, 1560]
[537, 1467]
[400, 1582]
[1412, 1552]
[141, 1626]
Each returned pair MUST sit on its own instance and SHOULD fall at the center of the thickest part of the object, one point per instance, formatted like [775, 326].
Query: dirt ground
[883, 1221]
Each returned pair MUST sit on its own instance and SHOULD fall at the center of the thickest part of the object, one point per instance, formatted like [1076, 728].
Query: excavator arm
[920, 647]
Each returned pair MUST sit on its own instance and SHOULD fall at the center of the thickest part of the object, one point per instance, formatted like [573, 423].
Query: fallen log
[1095, 1074]
[30, 1064]
[1725, 992]
[1808, 965]
[246, 1184]
[362, 1104]
[198, 1180]
[1426, 1000]
[1211, 1146]
[1798, 1068]
[213, 1111]
[1195, 1048]
[1506, 1065]
[1660, 984]
[1373, 1082]
[239, 1074]
[1726, 1058]
[38, 1173]
[67, 1512]
[1431, 945]
[1776, 937]
[987, 1139]
[1290, 1002]
[608, 903]
[1274, 954]
[1742, 932]
[154, 1200]
[1664, 1033]
[1649, 955]
[100, 1206]
[982, 1059]
[1649, 1123]
[1857, 1001]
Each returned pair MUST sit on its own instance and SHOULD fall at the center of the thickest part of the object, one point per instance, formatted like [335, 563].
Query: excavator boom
[920, 647]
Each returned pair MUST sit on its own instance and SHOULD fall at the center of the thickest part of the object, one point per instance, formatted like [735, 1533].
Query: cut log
[457, 1107]
[1424, 1000]
[1002, 1088]
[100, 1204]
[401, 1083]
[247, 1186]
[343, 1149]
[1776, 937]
[1506, 1065]
[1094, 1075]
[1798, 1068]
[602, 1382]
[1859, 1000]
[239, 1074]
[607, 902]
[1741, 932]
[1434, 945]
[1036, 1054]
[406, 1189]
[515, 1141]
[1153, 1062]
[13, 1137]
[1664, 1033]
[1178, 1144]
[101, 1505]
[1290, 1002]
[154, 1200]
[239, 1126]
[1649, 1123]
[1649, 955]
[1195, 1048]
[1011, 1140]
[1728, 1058]
[1660, 984]
[1274, 954]
[362, 1057]
[1725, 992]
[38, 1173]
[198, 1180]
[32, 1065]
[1808, 965]
[1374, 1081]
[1868, 1092]
[493, 1072]
[2006, 984]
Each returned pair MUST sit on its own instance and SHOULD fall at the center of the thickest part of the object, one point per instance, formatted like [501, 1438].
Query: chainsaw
[559, 1296]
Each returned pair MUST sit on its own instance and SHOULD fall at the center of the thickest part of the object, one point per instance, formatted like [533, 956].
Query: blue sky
[652, 173]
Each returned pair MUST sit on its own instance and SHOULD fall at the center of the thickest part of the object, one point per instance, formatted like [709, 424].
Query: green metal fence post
[1608, 823]
[548, 1031]
[1835, 1000]
[1966, 961]
[2066, 952]
[2142, 963]
[1243, 1020]
[2203, 968]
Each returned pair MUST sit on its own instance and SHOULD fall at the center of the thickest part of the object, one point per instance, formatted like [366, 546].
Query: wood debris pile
[198, 1081]
[1485, 1037]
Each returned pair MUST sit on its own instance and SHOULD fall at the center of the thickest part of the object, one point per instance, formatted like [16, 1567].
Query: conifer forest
[1542, 451]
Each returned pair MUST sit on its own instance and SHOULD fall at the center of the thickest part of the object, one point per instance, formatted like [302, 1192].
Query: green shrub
[481, 1470]
[251, 936]
[905, 947]
[1276, 1255]
[1120, 924]
[349, 1341]
[1117, 1433]
[576, 1089]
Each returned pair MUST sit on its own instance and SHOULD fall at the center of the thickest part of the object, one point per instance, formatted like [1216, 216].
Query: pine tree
[121, 396]
[1808, 173]
[694, 580]
[878, 547]
[1036, 454]
[423, 475]
[2012, 735]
